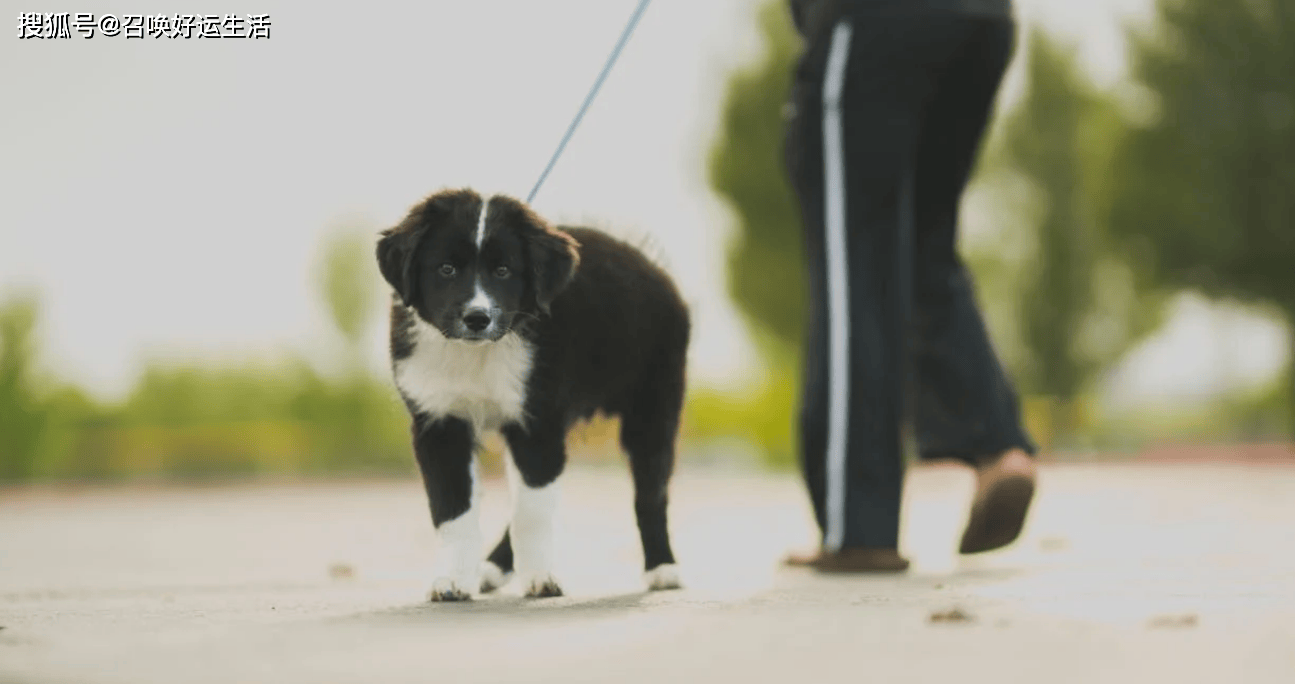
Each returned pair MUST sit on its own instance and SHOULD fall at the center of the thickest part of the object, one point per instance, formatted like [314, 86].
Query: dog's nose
[476, 320]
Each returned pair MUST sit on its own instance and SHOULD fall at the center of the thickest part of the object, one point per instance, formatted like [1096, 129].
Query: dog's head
[474, 266]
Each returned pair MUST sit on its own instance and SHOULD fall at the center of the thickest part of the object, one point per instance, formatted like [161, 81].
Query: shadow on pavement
[504, 605]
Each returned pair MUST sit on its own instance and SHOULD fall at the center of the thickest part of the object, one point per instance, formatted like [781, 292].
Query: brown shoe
[1004, 489]
[855, 559]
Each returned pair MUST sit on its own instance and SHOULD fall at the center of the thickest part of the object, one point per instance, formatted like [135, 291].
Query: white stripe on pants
[838, 286]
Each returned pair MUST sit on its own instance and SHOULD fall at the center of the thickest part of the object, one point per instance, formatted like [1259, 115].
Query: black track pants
[886, 118]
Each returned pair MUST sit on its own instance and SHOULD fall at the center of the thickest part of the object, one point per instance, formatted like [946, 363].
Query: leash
[593, 92]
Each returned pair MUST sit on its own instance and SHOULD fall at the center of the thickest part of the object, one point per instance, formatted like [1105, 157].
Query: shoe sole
[997, 519]
[832, 566]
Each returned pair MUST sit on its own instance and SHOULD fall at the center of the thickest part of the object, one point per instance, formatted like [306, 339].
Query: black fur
[443, 448]
[607, 327]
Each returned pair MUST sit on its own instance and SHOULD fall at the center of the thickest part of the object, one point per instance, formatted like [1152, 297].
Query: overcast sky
[168, 197]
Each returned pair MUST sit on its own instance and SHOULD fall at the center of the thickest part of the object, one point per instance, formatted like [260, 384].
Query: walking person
[889, 103]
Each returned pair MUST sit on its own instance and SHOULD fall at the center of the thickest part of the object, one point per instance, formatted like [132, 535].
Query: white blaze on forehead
[481, 221]
[480, 300]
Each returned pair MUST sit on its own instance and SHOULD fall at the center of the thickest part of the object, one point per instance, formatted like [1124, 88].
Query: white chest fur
[484, 383]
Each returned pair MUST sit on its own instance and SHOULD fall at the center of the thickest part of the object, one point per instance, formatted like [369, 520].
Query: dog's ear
[554, 257]
[398, 247]
[395, 251]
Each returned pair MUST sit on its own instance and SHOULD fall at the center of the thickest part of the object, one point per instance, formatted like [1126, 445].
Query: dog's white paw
[662, 577]
[493, 577]
[542, 585]
[445, 589]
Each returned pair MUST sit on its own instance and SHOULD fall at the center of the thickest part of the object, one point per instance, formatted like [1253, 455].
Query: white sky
[169, 197]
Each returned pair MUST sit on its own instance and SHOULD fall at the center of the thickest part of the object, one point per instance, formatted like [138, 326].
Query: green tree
[1206, 195]
[23, 417]
[1064, 295]
[359, 413]
[766, 276]
[348, 282]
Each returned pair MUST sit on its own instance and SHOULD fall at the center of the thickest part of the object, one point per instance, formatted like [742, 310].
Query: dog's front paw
[493, 577]
[445, 589]
[542, 586]
[662, 577]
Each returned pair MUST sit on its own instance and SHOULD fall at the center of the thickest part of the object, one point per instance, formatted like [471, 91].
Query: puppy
[500, 322]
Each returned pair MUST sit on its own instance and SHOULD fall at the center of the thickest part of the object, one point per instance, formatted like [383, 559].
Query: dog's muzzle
[476, 320]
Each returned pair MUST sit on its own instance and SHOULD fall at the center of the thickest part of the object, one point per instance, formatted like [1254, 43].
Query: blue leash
[593, 92]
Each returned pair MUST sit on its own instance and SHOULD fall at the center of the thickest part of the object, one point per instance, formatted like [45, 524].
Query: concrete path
[1126, 573]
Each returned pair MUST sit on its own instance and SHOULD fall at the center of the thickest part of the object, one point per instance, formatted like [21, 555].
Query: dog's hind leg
[648, 432]
[497, 569]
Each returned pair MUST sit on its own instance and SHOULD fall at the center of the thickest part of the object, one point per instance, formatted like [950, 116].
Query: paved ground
[1160, 573]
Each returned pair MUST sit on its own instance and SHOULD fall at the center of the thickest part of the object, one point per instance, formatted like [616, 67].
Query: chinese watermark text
[64, 25]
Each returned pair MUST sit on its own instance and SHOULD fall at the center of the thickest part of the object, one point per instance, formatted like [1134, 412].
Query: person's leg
[859, 98]
[803, 157]
[965, 406]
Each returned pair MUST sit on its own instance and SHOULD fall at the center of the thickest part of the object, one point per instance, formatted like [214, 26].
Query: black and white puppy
[501, 322]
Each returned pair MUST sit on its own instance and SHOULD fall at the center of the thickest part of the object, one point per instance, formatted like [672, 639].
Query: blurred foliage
[1064, 301]
[195, 420]
[1246, 416]
[24, 419]
[349, 281]
[766, 276]
[765, 265]
[1205, 185]
[761, 415]
[200, 421]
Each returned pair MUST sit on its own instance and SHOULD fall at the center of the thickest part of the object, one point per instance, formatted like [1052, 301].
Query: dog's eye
[502, 272]
[448, 270]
